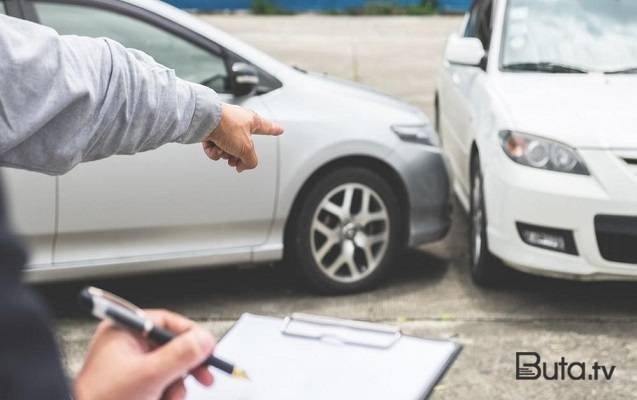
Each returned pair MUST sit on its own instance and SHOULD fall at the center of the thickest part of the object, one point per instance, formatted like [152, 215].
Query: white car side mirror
[464, 51]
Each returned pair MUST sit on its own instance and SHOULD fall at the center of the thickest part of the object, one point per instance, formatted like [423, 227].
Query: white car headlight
[537, 152]
[417, 133]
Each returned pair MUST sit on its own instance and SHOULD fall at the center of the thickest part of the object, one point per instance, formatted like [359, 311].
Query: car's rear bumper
[517, 194]
[424, 171]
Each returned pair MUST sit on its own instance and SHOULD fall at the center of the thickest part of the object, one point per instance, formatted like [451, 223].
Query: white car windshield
[570, 36]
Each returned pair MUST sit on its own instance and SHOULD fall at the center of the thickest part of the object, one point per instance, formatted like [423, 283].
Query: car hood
[585, 111]
[347, 89]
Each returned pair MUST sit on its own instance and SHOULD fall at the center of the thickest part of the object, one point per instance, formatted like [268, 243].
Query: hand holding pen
[156, 371]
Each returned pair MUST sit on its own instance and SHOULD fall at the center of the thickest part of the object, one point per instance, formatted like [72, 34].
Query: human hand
[122, 365]
[232, 139]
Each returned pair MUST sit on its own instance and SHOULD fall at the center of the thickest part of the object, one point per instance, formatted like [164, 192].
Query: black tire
[486, 269]
[302, 239]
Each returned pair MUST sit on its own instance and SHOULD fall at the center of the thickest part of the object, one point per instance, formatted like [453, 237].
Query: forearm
[70, 99]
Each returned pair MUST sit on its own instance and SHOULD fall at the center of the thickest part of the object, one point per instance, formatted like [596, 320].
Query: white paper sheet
[289, 368]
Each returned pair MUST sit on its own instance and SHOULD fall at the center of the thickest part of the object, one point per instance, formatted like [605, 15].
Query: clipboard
[318, 358]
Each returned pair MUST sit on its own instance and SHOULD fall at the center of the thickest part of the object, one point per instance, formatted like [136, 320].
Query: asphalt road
[430, 292]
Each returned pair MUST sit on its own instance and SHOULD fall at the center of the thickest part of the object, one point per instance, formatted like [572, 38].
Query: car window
[581, 35]
[484, 27]
[480, 22]
[189, 61]
[472, 25]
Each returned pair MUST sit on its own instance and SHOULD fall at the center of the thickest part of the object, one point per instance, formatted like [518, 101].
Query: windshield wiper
[544, 67]
[631, 70]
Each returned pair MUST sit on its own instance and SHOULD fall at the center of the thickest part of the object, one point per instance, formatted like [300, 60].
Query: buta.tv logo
[529, 366]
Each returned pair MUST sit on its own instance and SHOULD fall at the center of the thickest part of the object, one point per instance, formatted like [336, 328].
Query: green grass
[389, 8]
[372, 7]
[267, 7]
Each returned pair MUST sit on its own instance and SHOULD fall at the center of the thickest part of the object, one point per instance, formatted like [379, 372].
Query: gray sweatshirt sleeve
[69, 99]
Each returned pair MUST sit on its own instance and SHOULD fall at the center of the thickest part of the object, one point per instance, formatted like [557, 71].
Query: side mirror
[466, 51]
[245, 79]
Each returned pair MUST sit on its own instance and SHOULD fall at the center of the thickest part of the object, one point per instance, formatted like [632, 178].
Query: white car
[355, 178]
[537, 111]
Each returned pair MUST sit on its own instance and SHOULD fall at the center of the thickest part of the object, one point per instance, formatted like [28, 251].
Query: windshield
[575, 36]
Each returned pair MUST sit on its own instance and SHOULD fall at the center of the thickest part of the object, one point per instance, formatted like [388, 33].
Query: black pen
[105, 305]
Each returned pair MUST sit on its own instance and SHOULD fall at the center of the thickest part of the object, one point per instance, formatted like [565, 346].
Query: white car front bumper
[519, 194]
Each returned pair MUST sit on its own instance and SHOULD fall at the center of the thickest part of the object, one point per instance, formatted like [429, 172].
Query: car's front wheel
[486, 269]
[347, 231]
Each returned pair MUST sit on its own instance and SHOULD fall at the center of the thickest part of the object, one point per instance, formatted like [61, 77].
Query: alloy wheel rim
[477, 219]
[350, 232]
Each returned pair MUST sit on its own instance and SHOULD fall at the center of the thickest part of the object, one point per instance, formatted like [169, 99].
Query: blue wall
[454, 5]
[306, 5]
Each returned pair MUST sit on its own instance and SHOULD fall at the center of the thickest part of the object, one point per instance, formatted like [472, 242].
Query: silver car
[356, 177]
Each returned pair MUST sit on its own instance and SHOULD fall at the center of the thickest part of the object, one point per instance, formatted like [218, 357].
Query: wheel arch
[378, 166]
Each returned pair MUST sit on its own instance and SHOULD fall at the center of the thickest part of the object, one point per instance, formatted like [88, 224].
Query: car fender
[300, 169]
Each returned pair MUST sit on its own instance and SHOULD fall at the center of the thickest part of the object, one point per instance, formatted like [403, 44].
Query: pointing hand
[232, 139]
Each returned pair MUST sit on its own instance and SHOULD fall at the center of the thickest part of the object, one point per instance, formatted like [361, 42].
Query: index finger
[263, 126]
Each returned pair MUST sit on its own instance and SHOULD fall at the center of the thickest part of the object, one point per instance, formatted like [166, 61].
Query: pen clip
[101, 298]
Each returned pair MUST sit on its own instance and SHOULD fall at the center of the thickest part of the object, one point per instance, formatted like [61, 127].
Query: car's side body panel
[31, 201]
[469, 108]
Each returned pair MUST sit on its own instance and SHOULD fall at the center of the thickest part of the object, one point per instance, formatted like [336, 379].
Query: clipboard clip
[347, 332]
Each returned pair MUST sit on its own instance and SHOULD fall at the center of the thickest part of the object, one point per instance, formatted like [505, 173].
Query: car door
[172, 200]
[457, 86]
[30, 196]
